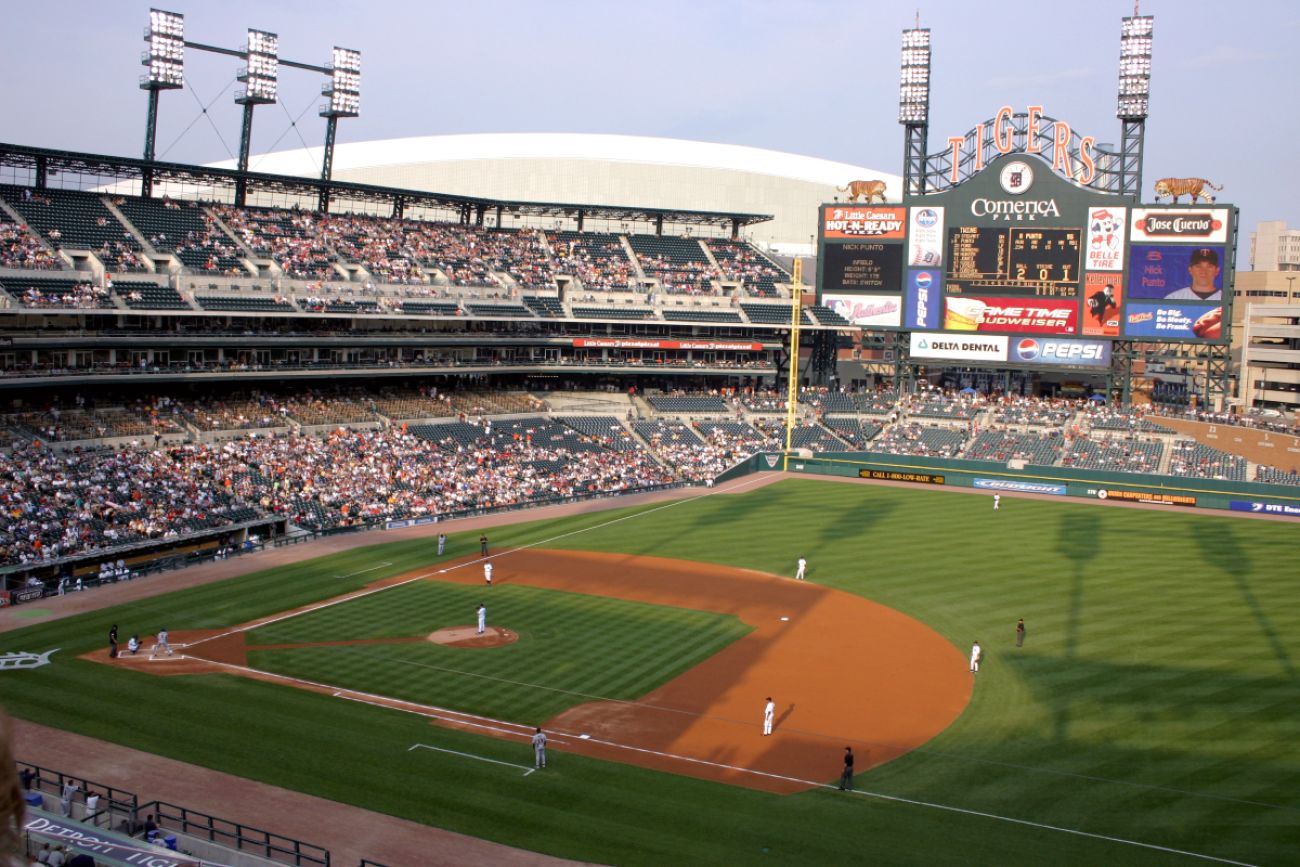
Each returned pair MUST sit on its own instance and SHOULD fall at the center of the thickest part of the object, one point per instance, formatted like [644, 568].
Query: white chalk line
[527, 770]
[364, 571]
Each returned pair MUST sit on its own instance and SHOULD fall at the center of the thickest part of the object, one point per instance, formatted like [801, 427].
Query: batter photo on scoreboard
[1176, 273]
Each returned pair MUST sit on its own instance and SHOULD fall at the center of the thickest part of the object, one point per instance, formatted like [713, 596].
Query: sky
[818, 78]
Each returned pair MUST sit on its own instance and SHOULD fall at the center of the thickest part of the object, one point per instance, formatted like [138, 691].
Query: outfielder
[539, 749]
[975, 654]
[997, 499]
[442, 543]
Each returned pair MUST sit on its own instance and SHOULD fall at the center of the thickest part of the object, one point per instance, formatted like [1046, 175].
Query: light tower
[166, 62]
[344, 92]
[1134, 98]
[914, 107]
[261, 78]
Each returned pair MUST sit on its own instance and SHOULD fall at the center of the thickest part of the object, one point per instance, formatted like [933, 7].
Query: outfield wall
[1033, 479]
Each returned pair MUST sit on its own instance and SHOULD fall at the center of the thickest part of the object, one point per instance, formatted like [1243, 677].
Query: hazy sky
[815, 78]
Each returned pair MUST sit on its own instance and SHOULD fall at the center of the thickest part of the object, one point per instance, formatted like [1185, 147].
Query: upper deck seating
[756, 273]
[597, 259]
[79, 221]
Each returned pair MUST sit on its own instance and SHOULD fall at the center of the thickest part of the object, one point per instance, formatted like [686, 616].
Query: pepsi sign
[1059, 352]
[924, 303]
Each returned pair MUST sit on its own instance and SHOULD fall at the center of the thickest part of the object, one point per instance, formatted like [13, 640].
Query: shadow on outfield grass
[1222, 549]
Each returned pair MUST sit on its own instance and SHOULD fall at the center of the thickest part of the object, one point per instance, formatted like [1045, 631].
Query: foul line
[527, 770]
[364, 571]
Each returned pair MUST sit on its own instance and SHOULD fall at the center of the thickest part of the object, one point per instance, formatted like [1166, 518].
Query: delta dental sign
[959, 347]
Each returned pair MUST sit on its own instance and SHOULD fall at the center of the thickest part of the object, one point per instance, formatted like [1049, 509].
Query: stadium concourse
[81, 485]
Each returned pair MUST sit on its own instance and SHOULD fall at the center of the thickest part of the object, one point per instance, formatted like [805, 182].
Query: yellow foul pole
[792, 395]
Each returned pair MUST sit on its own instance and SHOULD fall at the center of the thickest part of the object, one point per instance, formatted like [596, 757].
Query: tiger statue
[1193, 188]
[869, 189]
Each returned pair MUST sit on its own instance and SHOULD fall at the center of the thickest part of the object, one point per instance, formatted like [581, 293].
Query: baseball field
[1150, 717]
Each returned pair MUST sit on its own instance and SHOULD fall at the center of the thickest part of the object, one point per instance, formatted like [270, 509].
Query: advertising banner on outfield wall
[1157, 497]
[897, 476]
[851, 221]
[1264, 508]
[958, 347]
[1020, 487]
[881, 311]
[924, 298]
[1060, 352]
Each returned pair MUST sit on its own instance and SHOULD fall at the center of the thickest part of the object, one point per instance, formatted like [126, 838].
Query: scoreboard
[1013, 261]
[1047, 268]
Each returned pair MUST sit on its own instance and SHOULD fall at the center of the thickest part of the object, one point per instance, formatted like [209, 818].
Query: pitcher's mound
[467, 636]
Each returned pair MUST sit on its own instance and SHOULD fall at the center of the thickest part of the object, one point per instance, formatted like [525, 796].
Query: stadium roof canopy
[605, 171]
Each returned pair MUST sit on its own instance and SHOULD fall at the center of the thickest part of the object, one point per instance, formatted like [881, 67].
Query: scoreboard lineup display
[1019, 264]
[1014, 261]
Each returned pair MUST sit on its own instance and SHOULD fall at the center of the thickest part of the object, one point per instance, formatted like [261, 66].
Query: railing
[235, 835]
[112, 800]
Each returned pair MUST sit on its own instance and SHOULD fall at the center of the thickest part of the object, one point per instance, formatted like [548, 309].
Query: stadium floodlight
[262, 75]
[914, 90]
[166, 55]
[1135, 67]
[344, 86]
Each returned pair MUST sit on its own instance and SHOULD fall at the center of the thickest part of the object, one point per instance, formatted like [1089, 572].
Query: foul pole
[792, 394]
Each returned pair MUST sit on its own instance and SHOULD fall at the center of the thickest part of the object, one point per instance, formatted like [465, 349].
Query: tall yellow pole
[792, 395]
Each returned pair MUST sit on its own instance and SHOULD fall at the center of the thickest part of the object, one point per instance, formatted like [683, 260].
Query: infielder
[803, 566]
[975, 654]
[482, 618]
[487, 573]
[161, 644]
[539, 749]
[769, 713]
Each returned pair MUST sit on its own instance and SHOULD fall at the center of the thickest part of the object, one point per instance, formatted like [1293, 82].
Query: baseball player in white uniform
[997, 500]
[161, 644]
[539, 749]
[482, 618]
[442, 544]
[975, 654]
[487, 573]
[769, 713]
[803, 567]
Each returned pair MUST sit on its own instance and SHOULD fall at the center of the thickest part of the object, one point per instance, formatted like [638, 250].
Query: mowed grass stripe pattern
[572, 648]
[1155, 698]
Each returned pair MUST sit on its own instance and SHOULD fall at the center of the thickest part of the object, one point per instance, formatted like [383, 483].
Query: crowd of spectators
[57, 503]
[22, 248]
[74, 295]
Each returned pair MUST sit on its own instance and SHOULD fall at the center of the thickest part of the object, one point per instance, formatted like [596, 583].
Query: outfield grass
[1155, 700]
